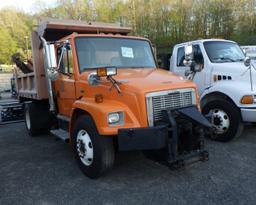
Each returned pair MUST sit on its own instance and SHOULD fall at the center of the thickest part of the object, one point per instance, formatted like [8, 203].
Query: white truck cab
[227, 87]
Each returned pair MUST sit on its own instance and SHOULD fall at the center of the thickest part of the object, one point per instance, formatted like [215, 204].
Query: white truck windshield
[221, 51]
[95, 52]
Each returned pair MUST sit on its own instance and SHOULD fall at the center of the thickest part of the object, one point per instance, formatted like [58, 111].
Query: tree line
[164, 22]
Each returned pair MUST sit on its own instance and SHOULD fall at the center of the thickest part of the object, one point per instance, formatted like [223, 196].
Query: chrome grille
[156, 102]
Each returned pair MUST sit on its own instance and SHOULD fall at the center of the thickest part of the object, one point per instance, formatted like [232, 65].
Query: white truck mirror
[189, 55]
[247, 61]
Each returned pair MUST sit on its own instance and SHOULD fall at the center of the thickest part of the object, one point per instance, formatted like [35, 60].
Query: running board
[61, 134]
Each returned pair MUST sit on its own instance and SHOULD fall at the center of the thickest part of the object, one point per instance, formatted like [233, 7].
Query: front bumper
[143, 138]
[180, 134]
[248, 114]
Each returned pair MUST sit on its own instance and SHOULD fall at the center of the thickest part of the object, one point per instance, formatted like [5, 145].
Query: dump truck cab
[105, 93]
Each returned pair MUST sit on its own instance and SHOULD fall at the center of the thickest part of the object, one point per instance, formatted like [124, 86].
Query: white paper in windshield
[127, 52]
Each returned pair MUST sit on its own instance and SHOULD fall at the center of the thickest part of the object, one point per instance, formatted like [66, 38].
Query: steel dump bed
[33, 85]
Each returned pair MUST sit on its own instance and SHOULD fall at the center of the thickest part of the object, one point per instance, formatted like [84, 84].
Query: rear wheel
[225, 118]
[94, 153]
[37, 118]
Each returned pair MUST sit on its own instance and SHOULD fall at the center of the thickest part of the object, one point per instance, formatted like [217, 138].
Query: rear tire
[94, 153]
[226, 119]
[37, 118]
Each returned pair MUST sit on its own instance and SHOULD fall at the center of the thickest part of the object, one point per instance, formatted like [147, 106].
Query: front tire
[226, 119]
[94, 153]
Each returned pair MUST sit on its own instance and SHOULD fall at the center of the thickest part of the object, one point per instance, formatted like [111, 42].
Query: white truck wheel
[226, 119]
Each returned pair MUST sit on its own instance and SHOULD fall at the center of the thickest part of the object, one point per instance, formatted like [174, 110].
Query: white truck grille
[158, 101]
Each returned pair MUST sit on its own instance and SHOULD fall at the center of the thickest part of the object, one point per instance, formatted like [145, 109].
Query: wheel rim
[27, 118]
[220, 121]
[84, 147]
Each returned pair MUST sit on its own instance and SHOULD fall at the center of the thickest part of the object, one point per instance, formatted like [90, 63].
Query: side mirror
[93, 78]
[51, 57]
[247, 61]
[189, 55]
[51, 62]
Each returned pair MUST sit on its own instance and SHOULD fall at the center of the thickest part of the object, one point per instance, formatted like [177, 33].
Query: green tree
[7, 47]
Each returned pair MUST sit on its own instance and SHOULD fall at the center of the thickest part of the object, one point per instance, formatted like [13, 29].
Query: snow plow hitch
[185, 136]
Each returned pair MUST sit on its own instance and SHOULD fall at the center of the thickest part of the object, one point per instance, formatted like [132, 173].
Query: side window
[180, 57]
[66, 64]
[198, 56]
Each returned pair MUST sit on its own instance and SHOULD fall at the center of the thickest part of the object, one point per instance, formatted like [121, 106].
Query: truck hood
[236, 70]
[134, 85]
[150, 80]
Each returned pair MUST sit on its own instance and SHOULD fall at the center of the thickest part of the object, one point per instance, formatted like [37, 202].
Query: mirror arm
[63, 49]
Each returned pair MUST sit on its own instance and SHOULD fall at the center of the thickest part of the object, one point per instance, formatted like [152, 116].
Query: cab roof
[55, 29]
[204, 40]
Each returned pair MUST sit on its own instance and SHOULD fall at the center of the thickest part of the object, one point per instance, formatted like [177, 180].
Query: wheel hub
[220, 121]
[84, 147]
[217, 121]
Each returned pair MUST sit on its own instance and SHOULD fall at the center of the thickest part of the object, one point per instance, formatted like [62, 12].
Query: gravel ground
[42, 170]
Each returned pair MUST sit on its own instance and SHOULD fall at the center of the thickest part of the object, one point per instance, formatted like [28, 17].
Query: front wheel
[225, 118]
[94, 153]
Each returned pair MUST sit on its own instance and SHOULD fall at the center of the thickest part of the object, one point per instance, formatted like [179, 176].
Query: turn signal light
[247, 99]
[108, 71]
[102, 72]
[215, 78]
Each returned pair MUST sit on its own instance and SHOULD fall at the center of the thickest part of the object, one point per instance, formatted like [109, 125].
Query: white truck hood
[236, 70]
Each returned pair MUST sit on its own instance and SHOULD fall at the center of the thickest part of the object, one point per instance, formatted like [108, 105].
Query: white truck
[226, 82]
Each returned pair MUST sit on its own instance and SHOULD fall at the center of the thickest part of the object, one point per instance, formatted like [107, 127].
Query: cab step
[61, 134]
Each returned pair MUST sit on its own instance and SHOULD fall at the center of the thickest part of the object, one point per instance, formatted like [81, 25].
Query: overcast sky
[28, 6]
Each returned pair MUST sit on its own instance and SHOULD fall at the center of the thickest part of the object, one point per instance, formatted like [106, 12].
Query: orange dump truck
[98, 88]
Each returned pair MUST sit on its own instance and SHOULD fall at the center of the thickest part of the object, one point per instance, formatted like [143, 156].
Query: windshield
[220, 51]
[95, 52]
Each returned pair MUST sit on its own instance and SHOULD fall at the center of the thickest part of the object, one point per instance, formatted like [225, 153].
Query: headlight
[248, 99]
[116, 118]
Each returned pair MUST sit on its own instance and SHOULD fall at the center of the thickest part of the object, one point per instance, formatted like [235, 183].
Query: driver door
[65, 84]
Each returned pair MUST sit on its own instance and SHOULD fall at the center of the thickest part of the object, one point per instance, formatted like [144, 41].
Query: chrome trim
[150, 111]
[149, 101]
[121, 120]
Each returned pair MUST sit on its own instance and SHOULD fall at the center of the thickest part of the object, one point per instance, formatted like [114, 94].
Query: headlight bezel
[119, 115]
